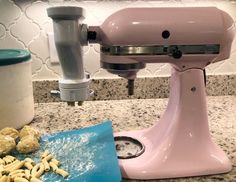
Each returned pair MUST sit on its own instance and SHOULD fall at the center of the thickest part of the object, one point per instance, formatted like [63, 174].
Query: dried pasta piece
[53, 166]
[48, 157]
[3, 178]
[45, 154]
[2, 161]
[7, 161]
[5, 172]
[19, 179]
[38, 170]
[8, 179]
[27, 130]
[46, 165]
[35, 180]
[10, 158]
[7, 167]
[12, 132]
[1, 168]
[17, 166]
[29, 160]
[27, 145]
[16, 171]
[62, 172]
[7, 144]
[17, 175]
[28, 165]
[35, 169]
[55, 161]
[27, 174]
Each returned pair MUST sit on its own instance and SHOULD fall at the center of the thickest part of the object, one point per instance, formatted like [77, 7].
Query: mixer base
[171, 161]
[179, 145]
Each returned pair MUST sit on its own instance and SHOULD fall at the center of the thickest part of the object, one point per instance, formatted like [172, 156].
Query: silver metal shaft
[130, 87]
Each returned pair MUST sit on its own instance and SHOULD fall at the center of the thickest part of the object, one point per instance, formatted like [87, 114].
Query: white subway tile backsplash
[152, 68]
[9, 12]
[210, 68]
[26, 35]
[45, 73]
[56, 69]
[9, 41]
[228, 7]
[145, 73]
[24, 24]
[39, 46]
[225, 67]
[91, 61]
[233, 58]
[37, 12]
[102, 73]
[2, 31]
[163, 70]
[37, 63]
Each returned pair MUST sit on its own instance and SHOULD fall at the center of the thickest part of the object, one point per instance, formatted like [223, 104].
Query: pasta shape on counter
[62, 172]
[56, 162]
[19, 179]
[33, 179]
[53, 166]
[38, 170]
[27, 174]
[14, 170]
[46, 165]
[3, 178]
[45, 154]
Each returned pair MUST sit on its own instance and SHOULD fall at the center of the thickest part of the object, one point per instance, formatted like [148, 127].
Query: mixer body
[178, 145]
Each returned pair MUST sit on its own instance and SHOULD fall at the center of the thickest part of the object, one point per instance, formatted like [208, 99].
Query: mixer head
[132, 37]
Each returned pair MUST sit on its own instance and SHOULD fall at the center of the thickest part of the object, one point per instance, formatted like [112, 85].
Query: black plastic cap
[92, 35]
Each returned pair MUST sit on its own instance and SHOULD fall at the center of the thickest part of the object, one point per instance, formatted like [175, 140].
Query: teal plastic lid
[13, 56]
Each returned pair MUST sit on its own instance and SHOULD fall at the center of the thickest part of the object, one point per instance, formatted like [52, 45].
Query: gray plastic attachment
[66, 13]
[70, 35]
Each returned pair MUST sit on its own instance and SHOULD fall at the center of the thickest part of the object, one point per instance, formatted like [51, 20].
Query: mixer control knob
[177, 54]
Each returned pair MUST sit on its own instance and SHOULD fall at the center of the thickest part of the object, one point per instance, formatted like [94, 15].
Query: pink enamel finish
[178, 145]
[187, 26]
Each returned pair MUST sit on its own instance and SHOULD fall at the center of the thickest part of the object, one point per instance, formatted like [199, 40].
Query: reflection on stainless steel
[123, 67]
[161, 49]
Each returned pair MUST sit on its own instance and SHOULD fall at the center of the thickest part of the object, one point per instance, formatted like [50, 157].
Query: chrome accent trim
[122, 67]
[160, 49]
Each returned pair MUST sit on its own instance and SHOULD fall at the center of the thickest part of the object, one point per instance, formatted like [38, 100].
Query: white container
[16, 91]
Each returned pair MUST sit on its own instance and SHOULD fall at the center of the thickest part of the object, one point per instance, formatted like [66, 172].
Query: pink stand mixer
[189, 38]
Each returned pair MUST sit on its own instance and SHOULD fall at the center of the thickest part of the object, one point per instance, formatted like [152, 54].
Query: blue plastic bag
[88, 154]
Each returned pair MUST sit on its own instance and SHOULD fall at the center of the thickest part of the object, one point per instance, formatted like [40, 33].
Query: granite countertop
[141, 113]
